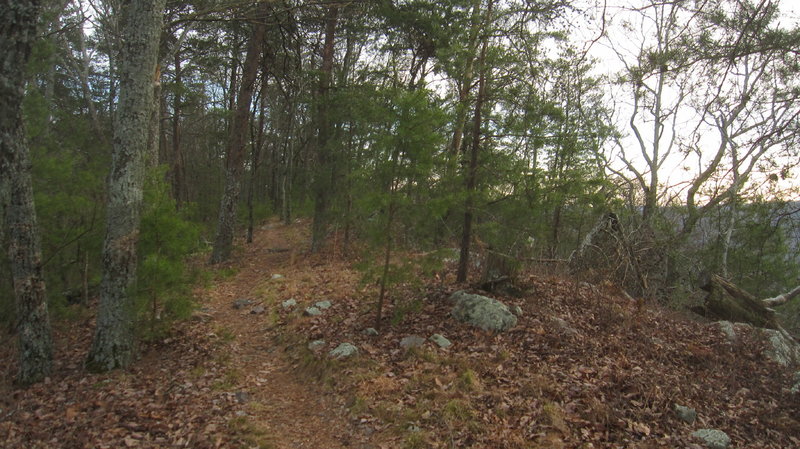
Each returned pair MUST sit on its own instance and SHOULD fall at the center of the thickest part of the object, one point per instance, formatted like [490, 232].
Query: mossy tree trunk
[18, 20]
[113, 343]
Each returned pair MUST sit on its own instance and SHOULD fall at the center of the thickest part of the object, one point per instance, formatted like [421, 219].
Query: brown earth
[583, 368]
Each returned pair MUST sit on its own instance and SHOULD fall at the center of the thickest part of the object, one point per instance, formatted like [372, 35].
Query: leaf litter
[584, 368]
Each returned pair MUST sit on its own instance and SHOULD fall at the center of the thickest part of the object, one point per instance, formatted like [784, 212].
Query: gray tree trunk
[18, 20]
[113, 343]
[234, 160]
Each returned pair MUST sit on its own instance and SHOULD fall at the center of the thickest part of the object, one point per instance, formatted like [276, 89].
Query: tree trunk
[466, 80]
[154, 130]
[255, 157]
[234, 161]
[178, 178]
[726, 301]
[324, 169]
[17, 33]
[472, 173]
[113, 343]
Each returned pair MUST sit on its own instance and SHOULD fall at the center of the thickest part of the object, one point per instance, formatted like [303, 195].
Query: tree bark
[324, 169]
[782, 298]
[113, 343]
[472, 173]
[728, 302]
[466, 80]
[154, 129]
[17, 32]
[234, 160]
[178, 178]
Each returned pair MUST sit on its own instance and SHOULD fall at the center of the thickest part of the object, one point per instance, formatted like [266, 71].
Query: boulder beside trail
[343, 351]
[713, 438]
[481, 311]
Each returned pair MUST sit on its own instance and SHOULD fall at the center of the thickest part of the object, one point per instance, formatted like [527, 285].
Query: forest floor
[583, 368]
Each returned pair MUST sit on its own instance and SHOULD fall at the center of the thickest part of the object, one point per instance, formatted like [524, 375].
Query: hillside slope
[584, 367]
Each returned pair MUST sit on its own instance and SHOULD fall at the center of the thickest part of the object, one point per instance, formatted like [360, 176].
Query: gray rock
[313, 311]
[563, 326]
[516, 310]
[275, 277]
[440, 340]
[796, 387]
[686, 414]
[289, 303]
[258, 310]
[323, 305]
[481, 311]
[370, 331]
[343, 351]
[783, 349]
[316, 344]
[412, 341]
[713, 438]
[727, 328]
[242, 303]
[732, 330]
[242, 397]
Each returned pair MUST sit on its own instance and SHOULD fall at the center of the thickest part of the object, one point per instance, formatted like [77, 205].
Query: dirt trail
[295, 413]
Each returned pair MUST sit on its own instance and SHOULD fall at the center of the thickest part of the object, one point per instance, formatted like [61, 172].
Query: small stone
[242, 303]
[440, 340]
[564, 327]
[240, 413]
[323, 305]
[371, 331]
[685, 414]
[412, 341]
[313, 311]
[343, 351]
[713, 438]
[275, 277]
[242, 397]
[316, 344]
[413, 428]
[258, 310]
[727, 328]
[289, 303]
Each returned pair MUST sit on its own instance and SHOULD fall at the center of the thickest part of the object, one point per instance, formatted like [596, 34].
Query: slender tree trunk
[472, 173]
[466, 81]
[18, 21]
[324, 169]
[255, 158]
[178, 170]
[113, 343]
[726, 241]
[234, 161]
[154, 130]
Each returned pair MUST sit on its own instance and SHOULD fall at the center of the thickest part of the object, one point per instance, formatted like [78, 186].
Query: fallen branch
[783, 298]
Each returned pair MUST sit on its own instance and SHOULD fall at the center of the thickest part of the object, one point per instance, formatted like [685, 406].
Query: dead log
[726, 301]
[783, 298]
